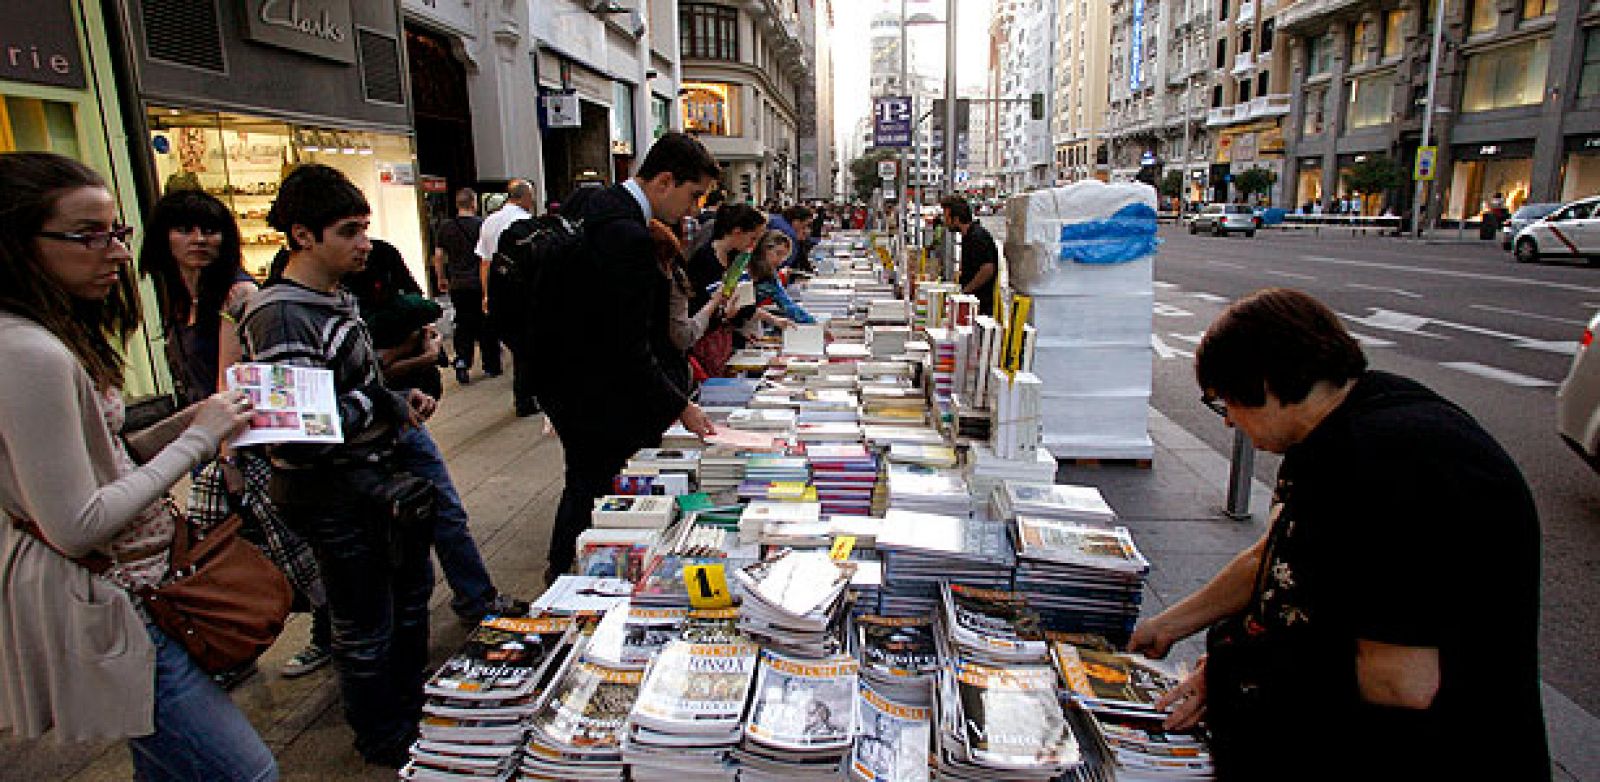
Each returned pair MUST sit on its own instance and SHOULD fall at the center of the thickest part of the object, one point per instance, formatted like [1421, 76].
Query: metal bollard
[1240, 470]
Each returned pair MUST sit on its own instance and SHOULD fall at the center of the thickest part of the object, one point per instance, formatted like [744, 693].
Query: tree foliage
[1172, 184]
[1255, 181]
[864, 172]
[1377, 174]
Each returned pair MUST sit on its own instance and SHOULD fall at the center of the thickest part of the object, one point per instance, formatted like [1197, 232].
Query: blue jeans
[200, 734]
[469, 580]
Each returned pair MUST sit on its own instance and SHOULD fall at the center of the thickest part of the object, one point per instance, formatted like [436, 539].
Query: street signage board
[891, 121]
[562, 110]
[1427, 159]
[886, 169]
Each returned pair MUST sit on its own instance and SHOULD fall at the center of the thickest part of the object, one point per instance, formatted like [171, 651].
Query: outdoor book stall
[867, 573]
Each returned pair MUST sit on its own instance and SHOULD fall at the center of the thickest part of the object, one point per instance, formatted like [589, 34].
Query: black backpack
[533, 262]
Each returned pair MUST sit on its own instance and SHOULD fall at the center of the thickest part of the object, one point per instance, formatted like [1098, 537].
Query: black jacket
[977, 249]
[604, 350]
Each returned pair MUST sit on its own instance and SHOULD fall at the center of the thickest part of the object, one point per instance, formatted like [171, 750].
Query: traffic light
[1036, 105]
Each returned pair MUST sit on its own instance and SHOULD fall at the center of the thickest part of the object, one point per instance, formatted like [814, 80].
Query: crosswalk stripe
[1495, 373]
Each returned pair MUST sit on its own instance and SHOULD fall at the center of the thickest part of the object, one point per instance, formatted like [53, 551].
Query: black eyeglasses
[92, 240]
[1217, 405]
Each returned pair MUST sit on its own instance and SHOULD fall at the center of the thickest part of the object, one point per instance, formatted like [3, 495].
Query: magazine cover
[802, 704]
[893, 745]
[589, 707]
[712, 626]
[897, 645]
[990, 619]
[1111, 678]
[1012, 717]
[693, 687]
[1079, 544]
[499, 660]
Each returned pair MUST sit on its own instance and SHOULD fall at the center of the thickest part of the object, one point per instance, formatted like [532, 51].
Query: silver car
[1224, 219]
[1578, 399]
[1520, 220]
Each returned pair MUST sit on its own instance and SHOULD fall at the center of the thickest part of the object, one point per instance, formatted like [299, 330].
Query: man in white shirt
[518, 206]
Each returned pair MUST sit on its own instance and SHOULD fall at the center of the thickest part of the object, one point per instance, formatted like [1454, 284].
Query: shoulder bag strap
[95, 562]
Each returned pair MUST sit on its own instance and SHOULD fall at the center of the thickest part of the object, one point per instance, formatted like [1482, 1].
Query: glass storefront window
[1474, 182]
[1320, 56]
[1394, 36]
[1533, 9]
[241, 160]
[1507, 77]
[710, 108]
[621, 119]
[1485, 15]
[1371, 101]
[1589, 81]
[1580, 177]
[1309, 185]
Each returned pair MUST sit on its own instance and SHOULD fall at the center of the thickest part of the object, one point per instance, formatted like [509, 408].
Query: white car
[1578, 399]
[1223, 219]
[1573, 231]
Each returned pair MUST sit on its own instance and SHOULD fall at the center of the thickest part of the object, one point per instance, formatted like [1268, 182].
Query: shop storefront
[576, 123]
[1482, 170]
[1308, 184]
[57, 95]
[236, 128]
[1580, 169]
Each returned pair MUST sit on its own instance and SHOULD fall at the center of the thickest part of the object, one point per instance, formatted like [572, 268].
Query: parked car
[1578, 399]
[1520, 219]
[1223, 219]
[1572, 231]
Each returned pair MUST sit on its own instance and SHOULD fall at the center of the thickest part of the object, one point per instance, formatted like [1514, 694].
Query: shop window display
[1580, 177]
[241, 160]
[1474, 182]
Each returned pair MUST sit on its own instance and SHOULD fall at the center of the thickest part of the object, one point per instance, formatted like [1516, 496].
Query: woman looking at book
[684, 327]
[771, 252]
[737, 229]
[79, 657]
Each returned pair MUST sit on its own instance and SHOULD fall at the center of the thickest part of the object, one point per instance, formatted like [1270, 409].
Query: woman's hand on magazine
[224, 414]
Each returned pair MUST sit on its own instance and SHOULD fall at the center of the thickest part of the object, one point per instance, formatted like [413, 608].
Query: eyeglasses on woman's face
[93, 240]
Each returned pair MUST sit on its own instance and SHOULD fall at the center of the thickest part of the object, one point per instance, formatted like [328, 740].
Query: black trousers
[594, 454]
[523, 369]
[473, 330]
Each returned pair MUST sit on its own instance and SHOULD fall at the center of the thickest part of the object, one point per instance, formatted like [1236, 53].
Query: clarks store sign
[39, 43]
[321, 28]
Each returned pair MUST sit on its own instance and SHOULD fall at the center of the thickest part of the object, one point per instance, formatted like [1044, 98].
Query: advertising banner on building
[1136, 48]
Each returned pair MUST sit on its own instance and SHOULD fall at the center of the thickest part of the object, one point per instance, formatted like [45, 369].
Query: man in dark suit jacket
[606, 394]
[980, 260]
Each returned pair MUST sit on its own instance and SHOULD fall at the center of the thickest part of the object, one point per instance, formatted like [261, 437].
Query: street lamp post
[951, 135]
[1427, 118]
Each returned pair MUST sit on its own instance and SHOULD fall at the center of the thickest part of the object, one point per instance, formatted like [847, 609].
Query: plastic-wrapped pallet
[1084, 254]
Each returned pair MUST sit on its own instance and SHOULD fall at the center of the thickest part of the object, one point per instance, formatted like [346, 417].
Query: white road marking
[1226, 264]
[1389, 320]
[1407, 323]
[1454, 273]
[1193, 339]
[1534, 315]
[1371, 342]
[1384, 289]
[1292, 275]
[1164, 285]
[1215, 299]
[1495, 373]
[1169, 311]
[1165, 351]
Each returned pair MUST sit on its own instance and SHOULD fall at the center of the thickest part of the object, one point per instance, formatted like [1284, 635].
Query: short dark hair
[315, 196]
[682, 156]
[1277, 341]
[797, 214]
[743, 217]
[960, 210]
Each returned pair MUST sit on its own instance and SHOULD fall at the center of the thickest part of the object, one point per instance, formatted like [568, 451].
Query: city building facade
[1250, 98]
[1161, 75]
[1082, 62]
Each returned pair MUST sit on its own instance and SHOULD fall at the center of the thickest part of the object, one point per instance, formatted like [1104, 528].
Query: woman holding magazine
[79, 657]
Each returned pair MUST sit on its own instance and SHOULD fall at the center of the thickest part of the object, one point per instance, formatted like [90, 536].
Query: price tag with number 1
[707, 585]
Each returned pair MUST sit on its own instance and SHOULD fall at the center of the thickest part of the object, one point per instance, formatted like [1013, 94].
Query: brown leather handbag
[222, 600]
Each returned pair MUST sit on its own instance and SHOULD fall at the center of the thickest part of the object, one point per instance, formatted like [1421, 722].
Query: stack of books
[1015, 430]
[1081, 577]
[887, 311]
[688, 714]
[794, 602]
[478, 702]
[884, 436]
[661, 471]
[577, 731]
[619, 511]
[921, 550]
[992, 626]
[928, 490]
[802, 718]
[828, 432]
[887, 341]
[779, 491]
[845, 476]
[942, 365]
[893, 405]
[1003, 722]
[721, 470]
[617, 553]
[938, 457]
[727, 391]
[985, 470]
[1063, 502]
[764, 419]
[1121, 690]
[761, 516]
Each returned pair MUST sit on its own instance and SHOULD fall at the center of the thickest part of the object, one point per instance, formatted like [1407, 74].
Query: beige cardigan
[74, 654]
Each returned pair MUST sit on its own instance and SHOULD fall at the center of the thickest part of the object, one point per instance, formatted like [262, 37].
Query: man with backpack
[519, 206]
[599, 308]
[460, 272]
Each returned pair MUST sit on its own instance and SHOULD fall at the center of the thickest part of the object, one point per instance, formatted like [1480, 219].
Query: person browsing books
[1392, 606]
[980, 260]
[613, 396]
[684, 327]
[80, 658]
[774, 247]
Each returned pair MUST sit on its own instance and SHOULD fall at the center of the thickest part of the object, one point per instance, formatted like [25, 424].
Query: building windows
[1589, 82]
[1216, 97]
[1484, 17]
[1394, 36]
[1261, 82]
[1358, 42]
[1244, 90]
[709, 32]
[1267, 28]
[1319, 59]
[1222, 53]
[34, 125]
[1507, 77]
[1533, 9]
[1371, 101]
[710, 108]
[1311, 123]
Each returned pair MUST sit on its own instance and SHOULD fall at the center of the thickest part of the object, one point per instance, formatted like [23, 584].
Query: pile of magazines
[899, 654]
[1120, 691]
[794, 602]
[1083, 577]
[688, 715]
[577, 731]
[992, 626]
[895, 737]
[1002, 723]
[921, 550]
[480, 699]
[801, 722]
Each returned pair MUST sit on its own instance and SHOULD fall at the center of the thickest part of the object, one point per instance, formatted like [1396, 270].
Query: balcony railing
[1269, 106]
[1243, 62]
[1263, 59]
[1306, 11]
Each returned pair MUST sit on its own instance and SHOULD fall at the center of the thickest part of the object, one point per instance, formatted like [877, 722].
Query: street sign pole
[1417, 211]
[952, 134]
[905, 67]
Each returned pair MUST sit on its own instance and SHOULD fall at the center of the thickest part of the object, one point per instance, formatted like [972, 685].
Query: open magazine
[291, 404]
[803, 705]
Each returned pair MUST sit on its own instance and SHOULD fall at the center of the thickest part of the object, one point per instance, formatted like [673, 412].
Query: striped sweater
[288, 323]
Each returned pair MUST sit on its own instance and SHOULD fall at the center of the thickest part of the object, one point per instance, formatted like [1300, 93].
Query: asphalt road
[1494, 336]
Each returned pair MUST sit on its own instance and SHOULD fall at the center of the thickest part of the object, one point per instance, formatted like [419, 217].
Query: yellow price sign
[707, 585]
[842, 546]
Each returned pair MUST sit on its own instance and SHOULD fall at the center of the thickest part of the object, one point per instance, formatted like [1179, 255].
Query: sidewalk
[509, 476]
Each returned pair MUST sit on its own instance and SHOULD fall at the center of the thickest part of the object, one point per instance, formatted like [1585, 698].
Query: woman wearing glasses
[191, 251]
[78, 658]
